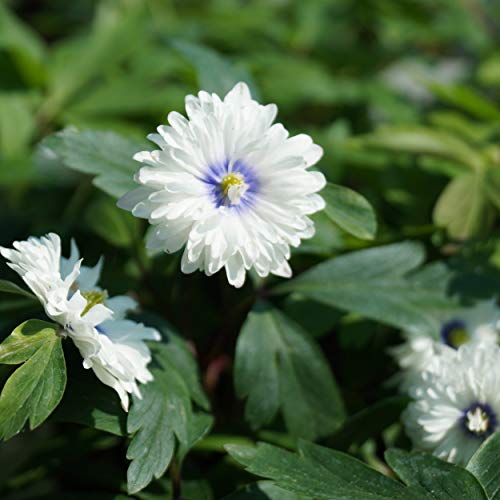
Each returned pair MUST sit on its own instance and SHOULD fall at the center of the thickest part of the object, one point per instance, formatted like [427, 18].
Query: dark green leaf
[93, 404]
[350, 211]
[8, 287]
[319, 472]
[279, 367]
[369, 422]
[374, 283]
[264, 490]
[113, 225]
[162, 416]
[484, 466]
[434, 478]
[34, 390]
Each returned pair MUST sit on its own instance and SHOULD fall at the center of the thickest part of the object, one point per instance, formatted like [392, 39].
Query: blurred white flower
[411, 77]
[110, 344]
[229, 185]
[458, 405]
[421, 349]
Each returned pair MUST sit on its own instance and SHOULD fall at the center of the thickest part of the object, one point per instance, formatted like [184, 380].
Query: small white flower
[421, 349]
[458, 405]
[110, 344]
[230, 186]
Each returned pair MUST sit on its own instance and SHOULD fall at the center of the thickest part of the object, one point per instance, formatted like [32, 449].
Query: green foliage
[430, 476]
[105, 155]
[374, 283]
[350, 211]
[8, 287]
[319, 472]
[164, 415]
[279, 368]
[402, 97]
[484, 465]
[36, 388]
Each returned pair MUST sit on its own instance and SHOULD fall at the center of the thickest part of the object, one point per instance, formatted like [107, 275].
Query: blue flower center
[232, 184]
[454, 333]
[479, 420]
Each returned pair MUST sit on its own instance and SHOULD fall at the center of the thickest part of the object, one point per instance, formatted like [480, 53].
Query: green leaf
[162, 416]
[25, 45]
[264, 490]
[350, 211]
[484, 466]
[105, 155]
[215, 73]
[8, 287]
[94, 404]
[375, 284]
[492, 185]
[463, 207]
[78, 62]
[434, 478]
[369, 422]
[467, 99]
[319, 472]
[113, 225]
[278, 367]
[425, 141]
[17, 123]
[34, 390]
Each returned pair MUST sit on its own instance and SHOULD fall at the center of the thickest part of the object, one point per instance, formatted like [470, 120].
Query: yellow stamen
[93, 298]
[230, 180]
[457, 337]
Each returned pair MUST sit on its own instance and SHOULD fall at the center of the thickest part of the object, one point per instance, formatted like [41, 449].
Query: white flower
[458, 405]
[110, 344]
[230, 186]
[38, 262]
[421, 349]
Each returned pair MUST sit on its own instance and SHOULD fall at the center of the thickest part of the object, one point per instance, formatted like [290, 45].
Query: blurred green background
[401, 94]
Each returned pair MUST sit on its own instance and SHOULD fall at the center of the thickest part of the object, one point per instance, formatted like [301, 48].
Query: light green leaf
[374, 284]
[467, 99]
[278, 367]
[484, 466]
[434, 478]
[34, 390]
[8, 287]
[463, 207]
[162, 416]
[17, 123]
[319, 472]
[425, 141]
[350, 211]
[215, 73]
[106, 155]
[113, 225]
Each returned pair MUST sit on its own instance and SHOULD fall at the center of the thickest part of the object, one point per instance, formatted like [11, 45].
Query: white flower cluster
[453, 375]
[110, 344]
[227, 184]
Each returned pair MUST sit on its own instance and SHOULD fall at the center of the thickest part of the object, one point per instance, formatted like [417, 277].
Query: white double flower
[111, 345]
